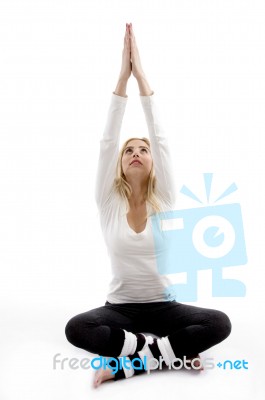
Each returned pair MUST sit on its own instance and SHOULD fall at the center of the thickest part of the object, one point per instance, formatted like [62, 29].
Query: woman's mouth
[136, 162]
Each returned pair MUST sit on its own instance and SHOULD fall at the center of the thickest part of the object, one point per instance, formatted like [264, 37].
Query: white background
[59, 63]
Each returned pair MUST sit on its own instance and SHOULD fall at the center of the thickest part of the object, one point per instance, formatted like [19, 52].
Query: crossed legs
[113, 329]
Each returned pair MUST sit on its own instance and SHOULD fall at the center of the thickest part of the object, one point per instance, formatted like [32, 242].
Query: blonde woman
[132, 184]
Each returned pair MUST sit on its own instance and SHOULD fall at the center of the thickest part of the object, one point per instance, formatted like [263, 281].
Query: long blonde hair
[124, 189]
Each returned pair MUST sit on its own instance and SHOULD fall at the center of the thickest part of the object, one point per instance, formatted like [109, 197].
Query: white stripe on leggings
[166, 350]
[130, 344]
[128, 372]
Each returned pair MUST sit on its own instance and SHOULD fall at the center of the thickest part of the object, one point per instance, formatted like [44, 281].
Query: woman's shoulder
[114, 205]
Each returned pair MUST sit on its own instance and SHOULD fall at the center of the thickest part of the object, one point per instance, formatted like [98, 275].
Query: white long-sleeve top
[135, 277]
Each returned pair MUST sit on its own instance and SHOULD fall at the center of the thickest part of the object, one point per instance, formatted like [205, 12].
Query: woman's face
[137, 159]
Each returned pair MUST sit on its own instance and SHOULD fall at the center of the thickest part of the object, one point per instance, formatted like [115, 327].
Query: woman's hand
[131, 63]
[126, 67]
[137, 69]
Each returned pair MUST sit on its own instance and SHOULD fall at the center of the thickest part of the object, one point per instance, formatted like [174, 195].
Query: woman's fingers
[131, 31]
[127, 38]
[126, 35]
[126, 59]
[132, 39]
[135, 56]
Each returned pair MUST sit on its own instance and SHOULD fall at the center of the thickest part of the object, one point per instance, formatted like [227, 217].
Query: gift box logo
[195, 239]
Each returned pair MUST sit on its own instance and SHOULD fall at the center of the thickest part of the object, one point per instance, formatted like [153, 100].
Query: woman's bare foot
[102, 375]
[197, 363]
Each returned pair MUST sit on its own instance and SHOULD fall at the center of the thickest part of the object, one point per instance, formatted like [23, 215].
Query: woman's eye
[130, 150]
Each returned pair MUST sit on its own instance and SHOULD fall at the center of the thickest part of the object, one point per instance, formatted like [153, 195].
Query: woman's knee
[83, 331]
[72, 330]
[222, 325]
[79, 329]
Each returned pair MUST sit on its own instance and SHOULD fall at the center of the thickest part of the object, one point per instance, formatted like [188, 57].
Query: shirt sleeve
[160, 151]
[109, 149]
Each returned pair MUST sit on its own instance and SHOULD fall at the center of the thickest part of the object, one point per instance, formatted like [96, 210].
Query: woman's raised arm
[158, 140]
[109, 143]
[126, 65]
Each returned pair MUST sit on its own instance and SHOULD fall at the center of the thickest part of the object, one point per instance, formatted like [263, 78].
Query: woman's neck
[138, 196]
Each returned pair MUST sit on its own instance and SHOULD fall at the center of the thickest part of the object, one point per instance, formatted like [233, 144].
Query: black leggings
[190, 329]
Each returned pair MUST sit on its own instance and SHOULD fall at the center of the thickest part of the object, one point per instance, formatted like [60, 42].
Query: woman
[136, 302]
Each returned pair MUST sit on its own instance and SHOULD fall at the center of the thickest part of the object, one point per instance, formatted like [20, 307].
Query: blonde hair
[124, 189]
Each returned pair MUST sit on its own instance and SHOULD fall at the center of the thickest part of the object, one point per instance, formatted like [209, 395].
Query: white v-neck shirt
[135, 276]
